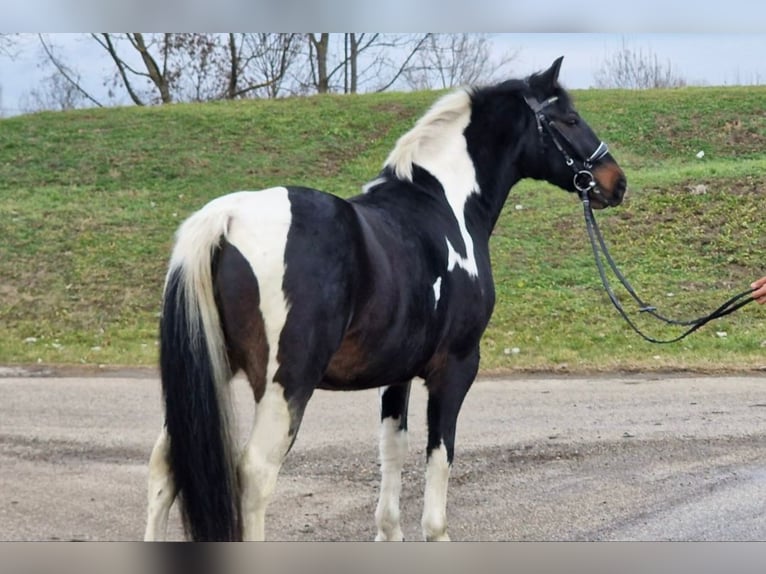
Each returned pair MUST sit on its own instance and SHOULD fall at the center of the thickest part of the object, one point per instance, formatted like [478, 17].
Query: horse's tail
[195, 375]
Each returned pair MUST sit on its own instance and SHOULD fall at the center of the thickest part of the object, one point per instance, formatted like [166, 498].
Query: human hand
[760, 290]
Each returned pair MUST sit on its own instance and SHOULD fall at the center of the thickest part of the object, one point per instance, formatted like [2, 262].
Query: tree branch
[406, 62]
[65, 73]
[156, 76]
[109, 46]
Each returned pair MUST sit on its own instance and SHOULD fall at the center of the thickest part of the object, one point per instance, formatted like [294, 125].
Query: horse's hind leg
[393, 451]
[283, 371]
[278, 415]
[254, 314]
[162, 490]
[291, 377]
[276, 422]
[285, 309]
[446, 390]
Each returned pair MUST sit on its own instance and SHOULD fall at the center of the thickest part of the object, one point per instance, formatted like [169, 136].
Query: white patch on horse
[263, 456]
[162, 490]
[454, 259]
[437, 289]
[434, 521]
[370, 184]
[393, 452]
[437, 144]
[259, 228]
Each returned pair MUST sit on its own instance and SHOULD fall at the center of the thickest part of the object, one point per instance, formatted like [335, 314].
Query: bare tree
[258, 64]
[377, 59]
[154, 55]
[162, 68]
[7, 44]
[63, 73]
[318, 54]
[353, 62]
[168, 67]
[56, 92]
[449, 60]
[636, 70]
[205, 67]
[351, 66]
[201, 67]
[195, 64]
[409, 48]
[5, 50]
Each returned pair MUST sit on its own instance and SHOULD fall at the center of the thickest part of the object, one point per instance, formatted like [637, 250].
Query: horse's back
[286, 226]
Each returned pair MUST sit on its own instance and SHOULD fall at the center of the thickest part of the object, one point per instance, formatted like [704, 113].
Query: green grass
[89, 202]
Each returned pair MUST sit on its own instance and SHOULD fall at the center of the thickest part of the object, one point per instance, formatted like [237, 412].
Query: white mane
[437, 144]
[446, 119]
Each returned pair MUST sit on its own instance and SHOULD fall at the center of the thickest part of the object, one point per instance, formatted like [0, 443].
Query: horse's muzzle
[610, 188]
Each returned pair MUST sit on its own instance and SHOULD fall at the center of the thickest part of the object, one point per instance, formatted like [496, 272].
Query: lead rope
[584, 182]
[599, 248]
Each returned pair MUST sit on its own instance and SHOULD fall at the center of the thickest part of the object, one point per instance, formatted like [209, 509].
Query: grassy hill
[89, 202]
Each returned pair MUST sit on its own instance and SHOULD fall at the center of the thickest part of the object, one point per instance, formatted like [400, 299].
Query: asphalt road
[566, 458]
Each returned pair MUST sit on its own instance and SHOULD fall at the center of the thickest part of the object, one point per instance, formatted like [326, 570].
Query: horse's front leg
[446, 390]
[393, 451]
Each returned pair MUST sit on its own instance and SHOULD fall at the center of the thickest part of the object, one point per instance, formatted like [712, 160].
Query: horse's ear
[554, 69]
[548, 79]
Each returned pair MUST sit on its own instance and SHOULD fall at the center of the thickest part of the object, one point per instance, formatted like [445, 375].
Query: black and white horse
[303, 290]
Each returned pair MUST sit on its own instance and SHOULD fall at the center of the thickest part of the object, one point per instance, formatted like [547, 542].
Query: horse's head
[563, 149]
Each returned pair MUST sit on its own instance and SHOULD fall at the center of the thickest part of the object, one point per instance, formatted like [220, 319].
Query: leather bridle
[585, 183]
[583, 178]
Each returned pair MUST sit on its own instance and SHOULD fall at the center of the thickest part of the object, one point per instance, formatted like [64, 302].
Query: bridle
[585, 183]
[583, 179]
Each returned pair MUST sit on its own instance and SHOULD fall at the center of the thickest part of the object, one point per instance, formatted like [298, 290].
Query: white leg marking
[162, 490]
[393, 451]
[438, 289]
[259, 230]
[262, 459]
[434, 520]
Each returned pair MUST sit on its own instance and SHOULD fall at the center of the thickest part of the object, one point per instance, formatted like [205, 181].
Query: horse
[300, 290]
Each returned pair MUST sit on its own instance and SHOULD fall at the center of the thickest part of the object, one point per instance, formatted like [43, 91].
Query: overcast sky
[709, 59]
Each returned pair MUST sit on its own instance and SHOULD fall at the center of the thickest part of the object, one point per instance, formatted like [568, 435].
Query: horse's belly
[356, 366]
[348, 368]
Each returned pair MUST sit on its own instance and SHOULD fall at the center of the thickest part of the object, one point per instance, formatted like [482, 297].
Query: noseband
[583, 178]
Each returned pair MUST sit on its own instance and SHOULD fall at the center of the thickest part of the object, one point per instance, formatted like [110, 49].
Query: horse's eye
[571, 120]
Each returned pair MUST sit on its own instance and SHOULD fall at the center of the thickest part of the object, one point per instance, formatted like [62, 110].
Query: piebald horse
[302, 290]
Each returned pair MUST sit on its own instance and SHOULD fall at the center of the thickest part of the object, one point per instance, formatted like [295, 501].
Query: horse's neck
[487, 203]
[494, 163]
[482, 191]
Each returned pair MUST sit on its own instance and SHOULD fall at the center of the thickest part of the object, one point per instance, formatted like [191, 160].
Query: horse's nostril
[620, 187]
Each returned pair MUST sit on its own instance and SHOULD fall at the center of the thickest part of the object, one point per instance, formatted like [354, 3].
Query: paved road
[608, 458]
